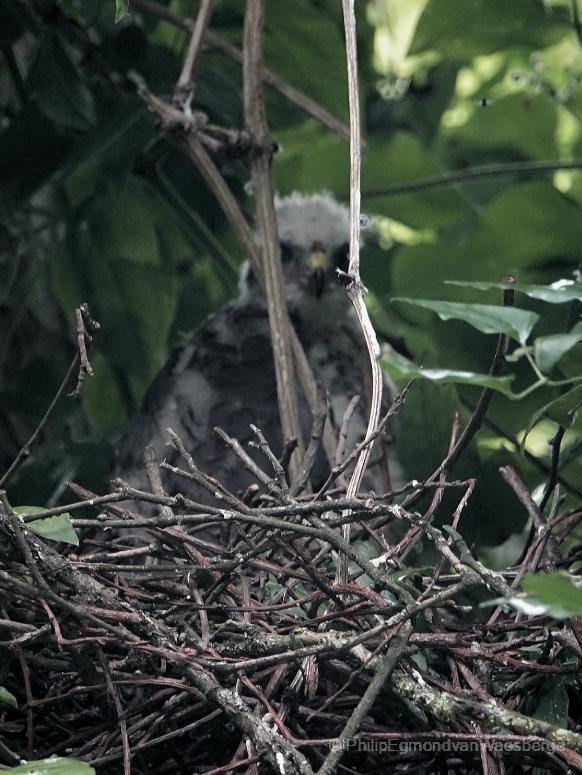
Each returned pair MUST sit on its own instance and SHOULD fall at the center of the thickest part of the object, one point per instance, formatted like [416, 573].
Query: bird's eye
[341, 257]
[286, 252]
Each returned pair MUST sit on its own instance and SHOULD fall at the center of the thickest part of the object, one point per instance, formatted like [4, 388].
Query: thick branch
[260, 164]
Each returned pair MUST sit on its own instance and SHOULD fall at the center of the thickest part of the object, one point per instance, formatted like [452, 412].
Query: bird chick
[224, 375]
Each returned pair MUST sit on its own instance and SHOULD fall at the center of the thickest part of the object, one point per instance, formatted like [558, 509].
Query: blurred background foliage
[98, 205]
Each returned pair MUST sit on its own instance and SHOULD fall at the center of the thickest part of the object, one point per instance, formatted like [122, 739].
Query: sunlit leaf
[7, 698]
[62, 94]
[57, 528]
[555, 592]
[56, 766]
[400, 368]
[515, 323]
[463, 29]
[549, 349]
[561, 410]
[121, 9]
[559, 292]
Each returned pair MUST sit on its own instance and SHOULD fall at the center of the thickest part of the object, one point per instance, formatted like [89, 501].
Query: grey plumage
[224, 375]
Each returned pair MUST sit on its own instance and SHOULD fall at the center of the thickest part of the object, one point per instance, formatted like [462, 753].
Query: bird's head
[314, 233]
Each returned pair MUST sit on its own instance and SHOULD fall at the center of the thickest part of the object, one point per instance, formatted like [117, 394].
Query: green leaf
[401, 368]
[57, 528]
[56, 766]
[560, 292]
[320, 70]
[121, 10]
[12, 22]
[556, 592]
[463, 29]
[22, 174]
[7, 698]
[124, 222]
[552, 702]
[527, 226]
[561, 410]
[549, 349]
[101, 398]
[515, 323]
[489, 135]
[62, 94]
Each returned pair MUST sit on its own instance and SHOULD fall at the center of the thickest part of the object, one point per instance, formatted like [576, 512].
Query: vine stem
[355, 289]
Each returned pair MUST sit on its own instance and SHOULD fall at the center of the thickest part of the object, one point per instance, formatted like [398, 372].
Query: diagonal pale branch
[260, 165]
[355, 289]
[185, 84]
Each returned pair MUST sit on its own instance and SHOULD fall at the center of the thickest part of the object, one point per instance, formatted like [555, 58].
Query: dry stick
[304, 102]
[344, 429]
[370, 437]
[355, 289]
[184, 90]
[24, 452]
[113, 693]
[268, 741]
[255, 470]
[85, 326]
[556, 444]
[320, 411]
[260, 166]
[384, 669]
[476, 419]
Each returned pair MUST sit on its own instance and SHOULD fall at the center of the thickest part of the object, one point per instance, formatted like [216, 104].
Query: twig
[319, 418]
[113, 693]
[370, 437]
[184, 90]
[523, 169]
[245, 458]
[355, 289]
[25, 450]
[85, 327]
[556, 445]
[384, 669]
[266, 450]
[519, 488]
[344, 429]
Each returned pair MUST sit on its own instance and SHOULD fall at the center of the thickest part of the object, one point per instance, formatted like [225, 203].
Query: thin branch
[26, 448]
[521, 169]
[184, 90]
[85, 327]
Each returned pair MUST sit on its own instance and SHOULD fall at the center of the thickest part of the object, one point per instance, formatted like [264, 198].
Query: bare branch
[260, 164]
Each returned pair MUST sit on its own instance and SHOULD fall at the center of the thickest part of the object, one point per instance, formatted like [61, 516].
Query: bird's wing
[223, 376]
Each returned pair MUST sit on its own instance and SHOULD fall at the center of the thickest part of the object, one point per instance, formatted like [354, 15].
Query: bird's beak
[317, 265]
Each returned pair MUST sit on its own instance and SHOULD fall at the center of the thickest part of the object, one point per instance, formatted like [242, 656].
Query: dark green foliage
[99, 205]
